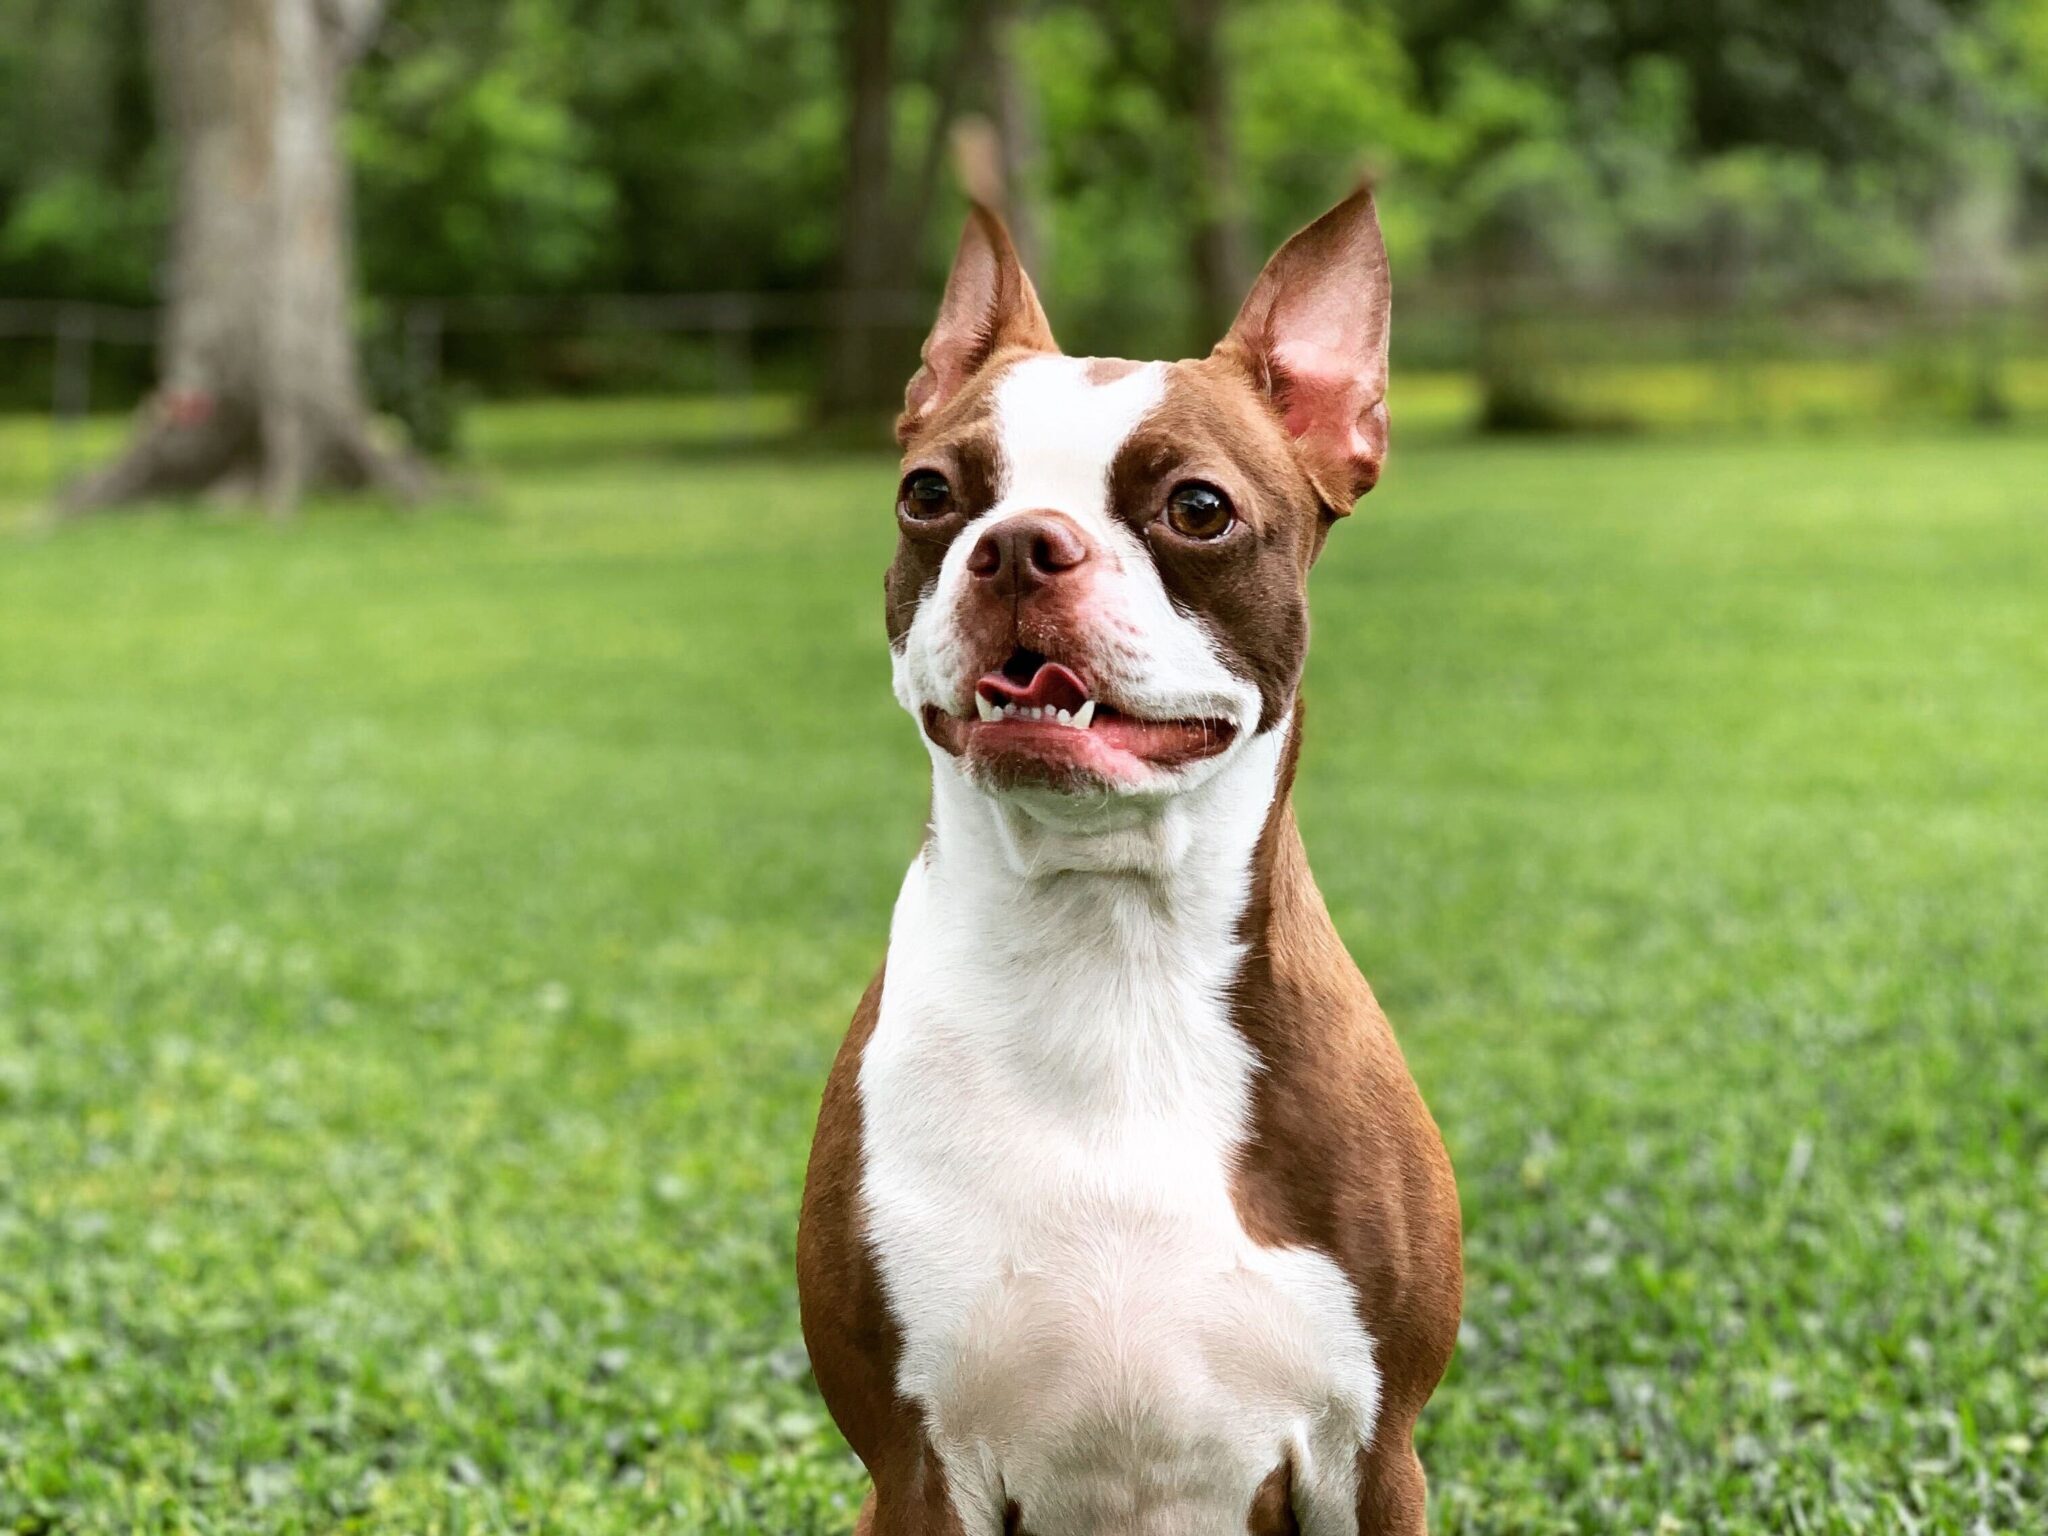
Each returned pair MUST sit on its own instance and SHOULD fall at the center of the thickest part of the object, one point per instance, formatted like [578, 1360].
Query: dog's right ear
[989, 305]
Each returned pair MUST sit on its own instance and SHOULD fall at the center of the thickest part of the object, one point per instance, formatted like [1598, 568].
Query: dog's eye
[1199, 511]
[925, 496]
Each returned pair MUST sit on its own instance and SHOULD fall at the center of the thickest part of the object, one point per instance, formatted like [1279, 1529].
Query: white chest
[1052, 1103]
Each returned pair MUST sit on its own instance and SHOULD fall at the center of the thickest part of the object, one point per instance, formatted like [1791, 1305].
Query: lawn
[423, 940]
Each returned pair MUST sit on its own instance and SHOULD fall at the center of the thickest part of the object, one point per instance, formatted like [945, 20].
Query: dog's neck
[1087, 957]
[1017, 846]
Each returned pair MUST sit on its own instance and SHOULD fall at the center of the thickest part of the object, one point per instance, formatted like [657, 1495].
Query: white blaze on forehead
[1059, 432]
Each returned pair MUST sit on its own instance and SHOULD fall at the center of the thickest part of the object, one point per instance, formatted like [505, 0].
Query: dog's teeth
[1079, 719]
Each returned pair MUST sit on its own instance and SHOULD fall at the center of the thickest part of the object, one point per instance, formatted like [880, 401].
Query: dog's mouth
[1036, 719]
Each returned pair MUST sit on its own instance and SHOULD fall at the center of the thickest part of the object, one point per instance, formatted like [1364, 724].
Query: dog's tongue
[1052, 686]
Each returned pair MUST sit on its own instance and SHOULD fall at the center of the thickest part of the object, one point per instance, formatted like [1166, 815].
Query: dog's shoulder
[852, 1338]
[1342, 1154]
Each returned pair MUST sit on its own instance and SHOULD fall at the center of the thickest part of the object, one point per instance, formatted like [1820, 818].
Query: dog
[1124, 1216]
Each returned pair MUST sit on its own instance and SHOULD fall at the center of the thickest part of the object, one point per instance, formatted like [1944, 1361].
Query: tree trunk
[1219, 249]
[1014, 106]
[259, 390]
[868, 233]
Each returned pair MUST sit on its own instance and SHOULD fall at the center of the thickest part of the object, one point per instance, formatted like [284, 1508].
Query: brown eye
[925, 496]
[1199, 511]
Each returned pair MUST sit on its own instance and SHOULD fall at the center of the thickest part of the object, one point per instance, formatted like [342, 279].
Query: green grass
[422, 942]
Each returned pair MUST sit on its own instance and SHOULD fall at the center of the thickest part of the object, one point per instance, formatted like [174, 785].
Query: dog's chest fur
[1052, 1105]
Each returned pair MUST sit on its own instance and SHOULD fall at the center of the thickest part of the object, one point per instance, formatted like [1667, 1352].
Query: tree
[981, 106]
[868, 233]
[259, 389]
[1009, 181]
[1219, 246]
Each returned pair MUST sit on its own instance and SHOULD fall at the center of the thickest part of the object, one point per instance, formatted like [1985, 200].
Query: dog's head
[1100, 588]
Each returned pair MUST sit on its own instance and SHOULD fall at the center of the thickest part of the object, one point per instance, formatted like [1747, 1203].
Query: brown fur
[1343, 1156]
[852, 1338]
[1272, 1511]
[959, 442]
[1250, 588]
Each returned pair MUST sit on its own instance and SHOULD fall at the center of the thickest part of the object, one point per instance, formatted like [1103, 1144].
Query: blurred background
[451, 800]
[1601, 214]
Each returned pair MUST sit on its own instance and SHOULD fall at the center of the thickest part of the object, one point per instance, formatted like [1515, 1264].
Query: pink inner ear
[1324, 397]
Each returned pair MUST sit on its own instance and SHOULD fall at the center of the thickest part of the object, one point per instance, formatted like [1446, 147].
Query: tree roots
[206, 449]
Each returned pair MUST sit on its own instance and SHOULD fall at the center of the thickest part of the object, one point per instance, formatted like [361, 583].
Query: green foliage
[467, 138]
[1743, 146]
[82, 195]
[422, 941]
[1116, 273]
[721, 126]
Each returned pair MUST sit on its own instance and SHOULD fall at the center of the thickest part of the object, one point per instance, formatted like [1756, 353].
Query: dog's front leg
[1392, 1492]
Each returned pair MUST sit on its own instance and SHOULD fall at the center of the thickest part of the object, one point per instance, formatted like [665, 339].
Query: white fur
[1055, 1095]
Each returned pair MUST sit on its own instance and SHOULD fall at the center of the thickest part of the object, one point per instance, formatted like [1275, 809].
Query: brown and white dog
[1124, 1216]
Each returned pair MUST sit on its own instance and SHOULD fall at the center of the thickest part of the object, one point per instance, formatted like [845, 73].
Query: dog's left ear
[1313, 336]
[989, 304]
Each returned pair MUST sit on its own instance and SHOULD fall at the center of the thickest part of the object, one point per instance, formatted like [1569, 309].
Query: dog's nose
[1025, 551]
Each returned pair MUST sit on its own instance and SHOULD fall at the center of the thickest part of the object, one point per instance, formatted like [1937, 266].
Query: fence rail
[1445, 325]
[730, 321]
